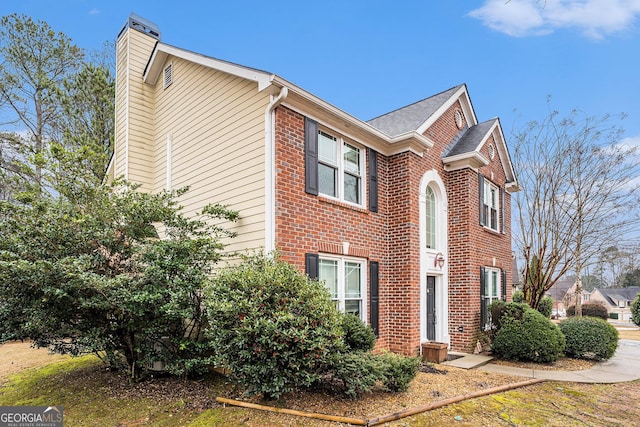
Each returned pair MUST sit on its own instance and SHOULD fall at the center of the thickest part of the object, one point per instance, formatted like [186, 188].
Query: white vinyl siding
[217, 148]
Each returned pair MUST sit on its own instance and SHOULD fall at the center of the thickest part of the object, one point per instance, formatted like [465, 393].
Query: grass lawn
[92, 396]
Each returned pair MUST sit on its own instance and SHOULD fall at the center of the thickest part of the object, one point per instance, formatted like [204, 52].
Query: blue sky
[369, 57]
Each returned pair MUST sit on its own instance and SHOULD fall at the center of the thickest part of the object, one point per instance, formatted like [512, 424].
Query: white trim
[269, 170]
[341, 141]
[427, 257]
[341, 260]
[467, 110]
[157, 59]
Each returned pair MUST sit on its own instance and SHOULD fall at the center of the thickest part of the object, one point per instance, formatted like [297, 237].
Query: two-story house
[405, 217]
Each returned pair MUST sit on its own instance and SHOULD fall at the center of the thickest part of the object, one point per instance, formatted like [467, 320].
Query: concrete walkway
[623, 366]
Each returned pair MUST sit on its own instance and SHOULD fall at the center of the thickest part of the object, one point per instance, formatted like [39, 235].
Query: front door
[431, 308]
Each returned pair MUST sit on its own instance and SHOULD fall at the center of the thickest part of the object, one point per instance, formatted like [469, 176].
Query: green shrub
[275, 329]
[590, 309]
[518, 296]
[356, 373]
[545, 306]
[358, 336]
[635, 310]
[501, 311]
[398, 371]
[533, 337]
[589, 338]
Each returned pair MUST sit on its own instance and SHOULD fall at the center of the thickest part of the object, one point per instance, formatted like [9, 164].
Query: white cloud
[593, 18]
[94, 11]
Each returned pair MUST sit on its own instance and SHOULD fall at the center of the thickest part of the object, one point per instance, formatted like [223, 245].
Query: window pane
[352, 280]
[353, 307]
[351, 188]
[351, 159]
[329, 274]
[327, 180]
[327, 149]
[494, 284]
[431, 218]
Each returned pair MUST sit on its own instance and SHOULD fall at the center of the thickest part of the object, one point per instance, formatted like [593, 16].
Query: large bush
[589, 338]
[358, 336]
[273, 327]
[502, 311]
[635, 310]
[356, 373]
[545, 306]
[91, 275]
[533, 337]
[590, 309]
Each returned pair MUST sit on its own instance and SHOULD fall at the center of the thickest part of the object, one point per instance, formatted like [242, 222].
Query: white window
[430, 222]
[491, 292]
[340, 168]
[345, 278]
[491, 206]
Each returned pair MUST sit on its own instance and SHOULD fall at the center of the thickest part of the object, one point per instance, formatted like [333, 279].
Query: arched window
[430, 222]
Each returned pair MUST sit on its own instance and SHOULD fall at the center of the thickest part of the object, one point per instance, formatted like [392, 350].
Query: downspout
[270, 169]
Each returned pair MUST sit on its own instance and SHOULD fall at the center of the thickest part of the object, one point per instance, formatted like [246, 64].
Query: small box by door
[434, 352]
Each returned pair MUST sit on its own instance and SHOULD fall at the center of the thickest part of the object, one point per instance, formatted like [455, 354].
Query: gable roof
[400, 130]
[619, 294]
[560, 289]
[411, 117]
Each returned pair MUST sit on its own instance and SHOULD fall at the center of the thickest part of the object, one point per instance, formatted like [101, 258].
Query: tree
[578, 196]
[114, 272]
[35, 61]
[631, 278]
[85, 129]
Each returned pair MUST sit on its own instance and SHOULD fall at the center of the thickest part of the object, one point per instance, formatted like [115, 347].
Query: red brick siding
[307, 223]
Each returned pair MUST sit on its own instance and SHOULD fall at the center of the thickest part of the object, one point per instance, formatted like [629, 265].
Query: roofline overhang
[350, 126]
[161, 51]
[344, 123]
[467, 109]
[473, 160]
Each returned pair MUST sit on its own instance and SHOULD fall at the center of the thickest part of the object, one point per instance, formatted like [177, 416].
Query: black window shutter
[374, 313]
[311, 156]
[483, 219]
[373, 180]
[503, 274]
[312, 265]
[503, 227]
[483, 300]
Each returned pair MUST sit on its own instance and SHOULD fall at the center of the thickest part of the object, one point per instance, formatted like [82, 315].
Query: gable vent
[168, 75]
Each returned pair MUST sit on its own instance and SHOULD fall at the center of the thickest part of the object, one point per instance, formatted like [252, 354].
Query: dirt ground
[17, 356]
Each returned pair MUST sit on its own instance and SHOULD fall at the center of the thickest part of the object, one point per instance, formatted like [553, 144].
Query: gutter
[270, 169]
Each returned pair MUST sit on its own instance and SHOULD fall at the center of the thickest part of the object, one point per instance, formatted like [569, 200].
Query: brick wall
[308, 223]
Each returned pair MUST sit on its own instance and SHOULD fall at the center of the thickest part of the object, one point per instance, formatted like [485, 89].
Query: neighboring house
[406, 217]
[563, 293]
[618, 301]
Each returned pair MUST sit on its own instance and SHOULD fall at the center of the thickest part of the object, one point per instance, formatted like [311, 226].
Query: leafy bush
[356, 373]
[398, 371]
[589, 338]
[590, 309]
[533, 337]
[518, 296]
[545, 306]
[358, 336]
[91, 275]
[635, 310]
[275, 329]
[501, 311]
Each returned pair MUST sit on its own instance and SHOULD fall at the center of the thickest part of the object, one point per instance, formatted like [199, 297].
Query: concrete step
[466, 360]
